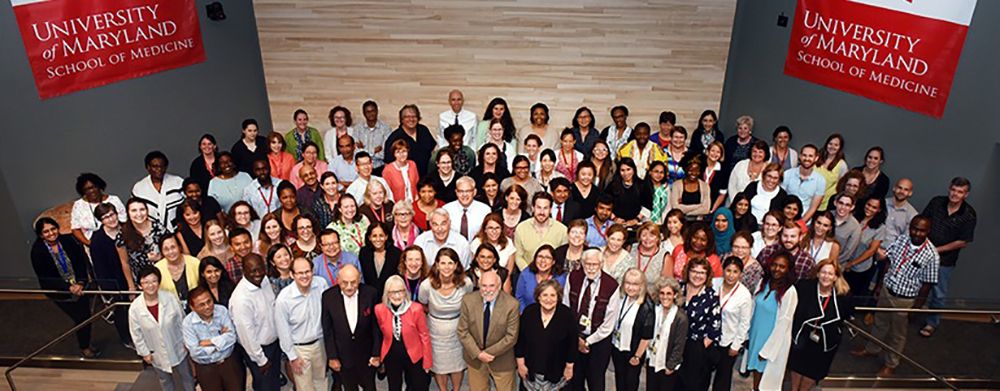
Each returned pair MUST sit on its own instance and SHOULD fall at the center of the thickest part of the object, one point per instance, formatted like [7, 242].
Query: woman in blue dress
[770, 327]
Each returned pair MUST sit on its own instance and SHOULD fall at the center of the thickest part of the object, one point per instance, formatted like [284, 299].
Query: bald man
[487, 328]
[306, 195]
[457, 115]
[351, 331]
[899, 213]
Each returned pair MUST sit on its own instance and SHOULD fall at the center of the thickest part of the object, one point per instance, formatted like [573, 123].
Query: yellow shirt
[190, 273]
[527, 240]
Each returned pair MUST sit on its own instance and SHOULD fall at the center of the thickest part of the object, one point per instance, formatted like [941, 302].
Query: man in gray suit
[487, 328]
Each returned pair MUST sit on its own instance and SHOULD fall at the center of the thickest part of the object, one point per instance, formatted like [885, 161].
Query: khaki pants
[479, 379]
[313, 377]
[890, 326]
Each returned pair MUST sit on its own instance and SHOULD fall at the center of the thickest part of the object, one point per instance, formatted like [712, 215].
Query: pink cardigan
[416, 338]
[394, 177]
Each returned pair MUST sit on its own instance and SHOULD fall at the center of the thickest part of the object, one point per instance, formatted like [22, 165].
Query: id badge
[585, 321]
[814, 335]
[616, 337]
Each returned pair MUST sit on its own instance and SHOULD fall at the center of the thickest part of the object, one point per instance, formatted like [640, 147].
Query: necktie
[585, 302]
[486, 323]
[559, 213]
[456, 118]
[465, 223]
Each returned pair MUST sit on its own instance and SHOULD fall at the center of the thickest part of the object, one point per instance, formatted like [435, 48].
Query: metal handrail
[956, 311]
[98, 315]
[883, 345]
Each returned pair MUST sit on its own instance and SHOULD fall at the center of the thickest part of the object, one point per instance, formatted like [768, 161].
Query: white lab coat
[776, 349]
[163, 339]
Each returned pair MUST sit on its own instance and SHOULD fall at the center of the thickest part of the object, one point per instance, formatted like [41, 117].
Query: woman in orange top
[281, 161]
[401, 174]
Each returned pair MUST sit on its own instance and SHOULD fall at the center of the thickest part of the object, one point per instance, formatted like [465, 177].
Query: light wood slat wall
[650, 55]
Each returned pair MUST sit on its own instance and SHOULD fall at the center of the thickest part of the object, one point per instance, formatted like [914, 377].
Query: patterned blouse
[352, 236]
[704, 315]
[138, 259]
[674, 169]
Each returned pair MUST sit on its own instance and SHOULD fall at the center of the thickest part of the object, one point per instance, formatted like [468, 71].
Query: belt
[898, 295]
[308, 343]
[217, 363]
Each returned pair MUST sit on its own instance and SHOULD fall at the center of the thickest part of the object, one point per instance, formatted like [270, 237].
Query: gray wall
[108, 130]
[928, 150]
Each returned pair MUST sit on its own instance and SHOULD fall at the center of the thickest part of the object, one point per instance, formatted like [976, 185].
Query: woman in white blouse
[737, 309]
[747, 171]
[155, 323]
[91, 187]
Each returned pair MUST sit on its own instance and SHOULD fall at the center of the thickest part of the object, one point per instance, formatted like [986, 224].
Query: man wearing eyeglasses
[298, 313]
[328, 264]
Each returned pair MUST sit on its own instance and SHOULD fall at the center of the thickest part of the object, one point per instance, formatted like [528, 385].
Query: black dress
[812, 356]
[421, 149]
[445, 191]
[628, 199]
[244, 159]
[193, 242]
[371, 276]
[200, 172]
[587, 204]
[477, 174]
[547, 349]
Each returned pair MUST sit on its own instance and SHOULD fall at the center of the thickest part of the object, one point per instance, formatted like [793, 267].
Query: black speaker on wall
[215, 11]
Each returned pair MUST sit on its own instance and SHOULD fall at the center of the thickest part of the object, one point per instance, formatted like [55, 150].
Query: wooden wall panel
[650, 55]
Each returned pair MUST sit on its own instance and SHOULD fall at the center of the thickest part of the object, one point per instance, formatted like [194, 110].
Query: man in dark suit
[488, 327]
[350, 330]
[564, 210]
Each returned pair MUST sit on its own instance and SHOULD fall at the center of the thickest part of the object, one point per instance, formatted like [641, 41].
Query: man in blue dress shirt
[210, 336]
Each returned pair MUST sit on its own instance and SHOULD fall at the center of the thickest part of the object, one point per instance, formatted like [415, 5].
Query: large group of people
[533, 255]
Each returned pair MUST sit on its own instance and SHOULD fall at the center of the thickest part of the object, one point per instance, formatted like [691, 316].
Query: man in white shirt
[440, 236]
[343, 165]
[262, 193]
[593, 296]
[357, 188]
[466, 213]
[457, 115]
[160, 191]
[298, 317]
[252, 309]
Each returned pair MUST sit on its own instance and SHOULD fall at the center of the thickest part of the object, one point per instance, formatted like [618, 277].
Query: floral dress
[138, 259]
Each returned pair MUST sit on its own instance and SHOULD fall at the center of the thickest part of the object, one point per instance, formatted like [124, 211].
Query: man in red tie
[466, 213]
[564, 210]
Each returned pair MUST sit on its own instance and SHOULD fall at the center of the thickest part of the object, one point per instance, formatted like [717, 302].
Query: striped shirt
[162, 204]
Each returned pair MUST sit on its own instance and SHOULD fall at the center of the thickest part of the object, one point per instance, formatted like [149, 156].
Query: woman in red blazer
[401, 175]
[406, 343]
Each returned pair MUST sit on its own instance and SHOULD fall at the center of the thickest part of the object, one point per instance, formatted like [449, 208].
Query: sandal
[927, 331]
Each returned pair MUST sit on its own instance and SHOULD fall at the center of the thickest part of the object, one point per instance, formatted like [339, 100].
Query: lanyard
[357, 229]
[209, 168]
[267, 200]
[381, 214]
[730, 296]
[604, 232]
[623, 312]
[638, 254]
[326, 262]
[906, 258]
[816, 251]
[413, 291]
[62, 260]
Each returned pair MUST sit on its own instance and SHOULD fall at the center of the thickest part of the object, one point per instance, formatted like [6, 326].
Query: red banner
[900, 52]
[74, 45]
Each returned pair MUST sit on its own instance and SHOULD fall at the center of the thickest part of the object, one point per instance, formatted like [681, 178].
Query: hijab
[723, 239]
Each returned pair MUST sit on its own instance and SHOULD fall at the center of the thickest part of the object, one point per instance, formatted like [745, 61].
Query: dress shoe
[885, 372]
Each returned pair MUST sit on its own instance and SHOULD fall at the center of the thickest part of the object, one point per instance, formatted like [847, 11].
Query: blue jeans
[267, 381]
[938, 295]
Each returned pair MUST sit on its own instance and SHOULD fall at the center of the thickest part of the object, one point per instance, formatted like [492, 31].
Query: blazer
[571, 211]
[368, 272]
[503, 328]
[190, 273]
[394, 177]
[416, 338]
[645, 323]
[353, 349]
[163, 338]
[751, 191]
[47, 272]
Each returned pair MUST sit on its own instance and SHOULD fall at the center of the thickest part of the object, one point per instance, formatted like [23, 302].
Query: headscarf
[723, 239]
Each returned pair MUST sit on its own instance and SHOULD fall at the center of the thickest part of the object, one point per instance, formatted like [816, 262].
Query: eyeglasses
[397, 292]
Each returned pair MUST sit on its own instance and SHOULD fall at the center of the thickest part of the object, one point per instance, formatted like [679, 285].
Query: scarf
[398, 240]
[397, 321]
[723, 239]
[661, 339]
